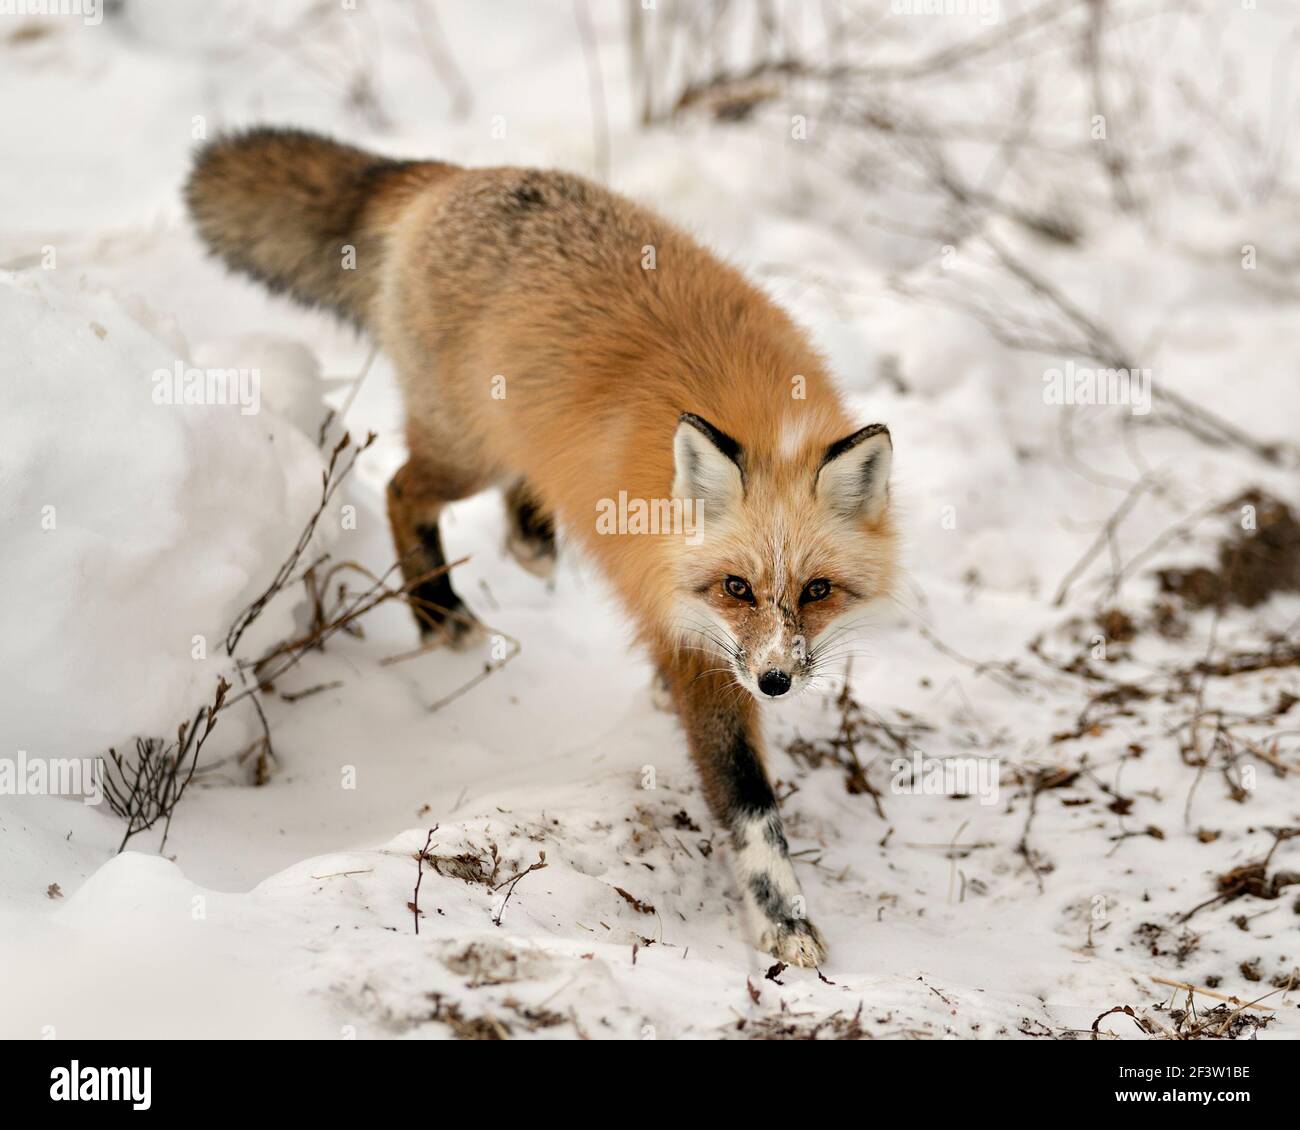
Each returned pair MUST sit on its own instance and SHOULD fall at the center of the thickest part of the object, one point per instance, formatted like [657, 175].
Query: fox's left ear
[853, 478]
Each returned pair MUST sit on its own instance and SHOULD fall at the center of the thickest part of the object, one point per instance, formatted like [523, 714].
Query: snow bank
[134, 530]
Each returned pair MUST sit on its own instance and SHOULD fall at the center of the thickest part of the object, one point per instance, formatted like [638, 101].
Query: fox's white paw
[461, 632]
[660, 696]
[468, 637]
[537, 557]
[797, 942]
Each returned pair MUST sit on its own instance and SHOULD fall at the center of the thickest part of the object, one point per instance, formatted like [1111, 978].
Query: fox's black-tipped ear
[853, 479]
[708, 464]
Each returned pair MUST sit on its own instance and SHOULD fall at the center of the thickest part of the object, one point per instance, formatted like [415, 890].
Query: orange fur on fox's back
[538, 278]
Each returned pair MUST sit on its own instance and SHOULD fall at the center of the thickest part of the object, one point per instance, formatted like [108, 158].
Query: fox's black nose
[774, 682]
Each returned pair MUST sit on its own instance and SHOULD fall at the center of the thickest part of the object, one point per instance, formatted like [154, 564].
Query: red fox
[556, 340]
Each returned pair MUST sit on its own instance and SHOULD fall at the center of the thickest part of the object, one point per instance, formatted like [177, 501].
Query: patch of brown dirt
[1254, 563]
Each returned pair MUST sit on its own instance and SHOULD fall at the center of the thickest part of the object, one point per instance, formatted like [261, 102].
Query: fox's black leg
[723, 732]
[437, 606]
[413, 508]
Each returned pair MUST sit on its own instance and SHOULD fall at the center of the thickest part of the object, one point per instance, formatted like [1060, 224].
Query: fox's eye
[739, 588]
[819, 589]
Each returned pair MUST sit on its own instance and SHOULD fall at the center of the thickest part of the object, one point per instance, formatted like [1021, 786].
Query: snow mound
[135, 528]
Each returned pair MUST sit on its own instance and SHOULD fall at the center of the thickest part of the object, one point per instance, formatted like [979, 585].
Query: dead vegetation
[859, 729]
[482, 867]
[635, 903]
[1259, 557]
[1229, 1018]
[511, 883]
[1221, 1022]
[788, 1024]
[1162, 941]
[485, 964]
[1252, 879]
[487, 1026]
[420, 858]
[145, 789]
[449, 1012]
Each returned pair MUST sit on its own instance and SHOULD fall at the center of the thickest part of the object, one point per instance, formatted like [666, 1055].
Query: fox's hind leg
[417, 495]
[530, 537]
[721, 724]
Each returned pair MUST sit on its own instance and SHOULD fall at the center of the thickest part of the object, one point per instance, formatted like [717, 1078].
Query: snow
[283, 909]
[127, 553]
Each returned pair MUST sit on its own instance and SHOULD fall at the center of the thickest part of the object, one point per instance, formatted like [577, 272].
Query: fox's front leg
[722, 727]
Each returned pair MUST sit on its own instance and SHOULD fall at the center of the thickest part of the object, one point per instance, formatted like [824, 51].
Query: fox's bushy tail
[303, 214]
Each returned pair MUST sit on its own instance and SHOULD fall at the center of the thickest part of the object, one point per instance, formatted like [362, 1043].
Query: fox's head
[792, 547]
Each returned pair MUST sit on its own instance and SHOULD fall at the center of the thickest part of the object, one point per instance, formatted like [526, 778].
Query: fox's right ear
[708, 463]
